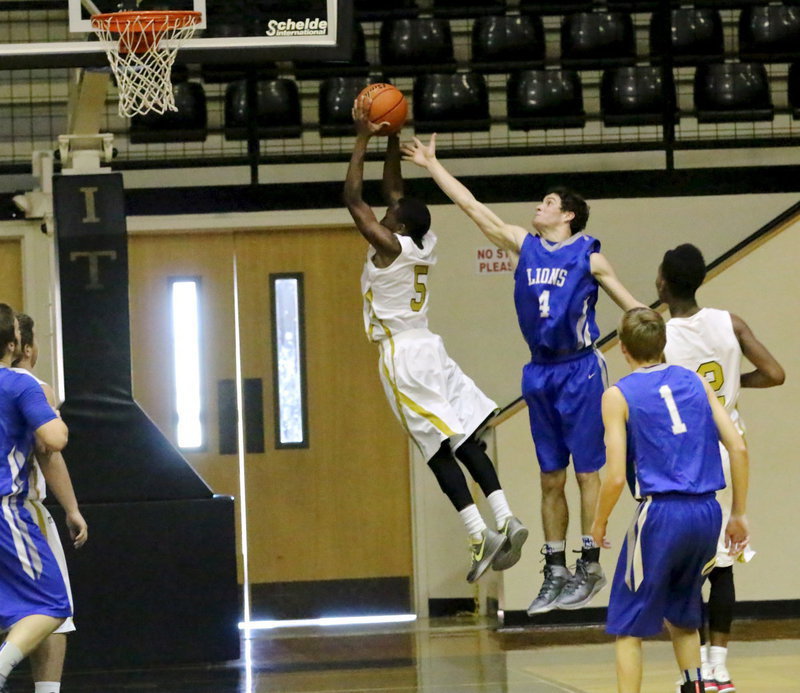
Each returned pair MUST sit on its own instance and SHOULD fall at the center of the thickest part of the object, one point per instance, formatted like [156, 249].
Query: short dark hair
[573, 202]
[684, 269]
[25, 330]
[7, 333]
[643, 333]
[416, 217]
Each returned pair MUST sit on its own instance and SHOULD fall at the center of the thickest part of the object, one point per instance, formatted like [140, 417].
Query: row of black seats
[589, 40]
[535, 99]
[382, 9]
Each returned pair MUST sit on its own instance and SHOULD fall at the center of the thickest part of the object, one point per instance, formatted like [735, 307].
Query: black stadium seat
[336, 96]
[545, 99]
[451, 103]
[277, 110]
[769, 33]
[639, 95]
[188, 124]
[412, 46]
[693, 36]
[506, 42]
[597, 40]
[732, 92]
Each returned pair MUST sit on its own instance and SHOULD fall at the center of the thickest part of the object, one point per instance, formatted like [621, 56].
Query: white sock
[704, 654]
[499, 505]
[588, 542]
[554, 547]
[47, 687]
[10, 656]
[717, 655]
[473, 522]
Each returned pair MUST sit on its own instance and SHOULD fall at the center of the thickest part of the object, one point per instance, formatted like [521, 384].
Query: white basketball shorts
[428, 392]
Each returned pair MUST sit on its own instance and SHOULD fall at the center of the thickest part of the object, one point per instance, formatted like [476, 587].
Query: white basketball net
[141, 47]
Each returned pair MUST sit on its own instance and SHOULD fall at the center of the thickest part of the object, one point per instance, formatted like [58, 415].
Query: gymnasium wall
[474, 313]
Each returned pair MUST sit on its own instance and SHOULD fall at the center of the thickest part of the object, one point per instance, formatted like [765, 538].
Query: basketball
[388, 106]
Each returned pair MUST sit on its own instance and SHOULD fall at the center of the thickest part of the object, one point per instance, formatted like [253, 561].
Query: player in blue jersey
[558, 272]
[440, 407]
[33, 598]
[663, 425]
[49, 475]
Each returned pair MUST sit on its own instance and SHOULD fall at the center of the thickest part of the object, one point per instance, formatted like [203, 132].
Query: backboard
[232, 31]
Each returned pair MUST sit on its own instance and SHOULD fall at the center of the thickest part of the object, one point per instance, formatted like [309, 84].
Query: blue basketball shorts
[30, 579]
[670, 548]
[564, 407]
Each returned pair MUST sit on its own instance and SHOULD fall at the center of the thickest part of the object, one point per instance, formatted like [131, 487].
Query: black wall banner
[156, 582]
[118, 452]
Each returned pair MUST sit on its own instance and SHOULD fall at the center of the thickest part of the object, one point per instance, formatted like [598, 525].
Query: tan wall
[760, 288]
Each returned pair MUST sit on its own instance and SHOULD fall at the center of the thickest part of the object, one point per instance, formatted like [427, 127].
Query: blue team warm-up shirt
[673, 443]
[30, 579]
[555, 295]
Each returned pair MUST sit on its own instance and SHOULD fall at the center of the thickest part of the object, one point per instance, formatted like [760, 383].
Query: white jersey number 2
[677, 425]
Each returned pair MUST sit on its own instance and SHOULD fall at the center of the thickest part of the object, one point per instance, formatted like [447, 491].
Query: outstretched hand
[364, 126]
[418, 153]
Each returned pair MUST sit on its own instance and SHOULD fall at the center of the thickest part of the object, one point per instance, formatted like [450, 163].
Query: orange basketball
[388, 106]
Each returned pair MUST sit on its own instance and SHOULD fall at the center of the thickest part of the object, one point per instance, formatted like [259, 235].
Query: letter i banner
[92, 242]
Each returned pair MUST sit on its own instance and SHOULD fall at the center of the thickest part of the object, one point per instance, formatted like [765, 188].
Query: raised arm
[392, 184]
[503, 235]
[768, 372]
[604, 273]
[737, 531]
[615, 417]
[382, 239]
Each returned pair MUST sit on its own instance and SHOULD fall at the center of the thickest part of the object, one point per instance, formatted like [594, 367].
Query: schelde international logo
[301, 27]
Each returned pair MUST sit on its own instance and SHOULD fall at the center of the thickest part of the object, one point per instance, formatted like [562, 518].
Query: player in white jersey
[438, 405]
[712, 342]
[47, 660]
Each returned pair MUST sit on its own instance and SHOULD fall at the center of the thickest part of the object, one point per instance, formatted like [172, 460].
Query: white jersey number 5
[420, 286]
[677, 425]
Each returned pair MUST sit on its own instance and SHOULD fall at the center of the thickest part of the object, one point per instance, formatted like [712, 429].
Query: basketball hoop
[141, 47]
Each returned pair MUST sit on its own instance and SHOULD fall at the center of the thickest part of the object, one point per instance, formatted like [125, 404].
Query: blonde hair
[643, 333]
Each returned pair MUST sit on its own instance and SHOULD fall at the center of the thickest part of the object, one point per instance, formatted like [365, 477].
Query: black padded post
[159, 570]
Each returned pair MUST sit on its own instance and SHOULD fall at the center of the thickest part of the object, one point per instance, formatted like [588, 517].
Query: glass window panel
[186, 362]
[287, 308]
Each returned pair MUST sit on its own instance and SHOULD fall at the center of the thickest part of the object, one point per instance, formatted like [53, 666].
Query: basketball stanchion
[141, 47]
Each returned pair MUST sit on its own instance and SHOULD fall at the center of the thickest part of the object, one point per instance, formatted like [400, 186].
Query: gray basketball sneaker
[483, 553]
[516, 534]
[555, 579]
[581, 588]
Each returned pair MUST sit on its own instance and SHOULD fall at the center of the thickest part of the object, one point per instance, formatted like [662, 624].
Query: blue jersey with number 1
[673, 443]
[555, 294]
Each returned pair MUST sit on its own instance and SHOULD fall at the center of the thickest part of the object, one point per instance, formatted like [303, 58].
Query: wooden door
[11, 276]
[338, 509]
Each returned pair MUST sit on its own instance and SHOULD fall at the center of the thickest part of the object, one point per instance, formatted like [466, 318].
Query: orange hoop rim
[157, 20]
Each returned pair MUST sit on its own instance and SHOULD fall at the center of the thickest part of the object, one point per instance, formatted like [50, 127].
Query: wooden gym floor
[459, 655]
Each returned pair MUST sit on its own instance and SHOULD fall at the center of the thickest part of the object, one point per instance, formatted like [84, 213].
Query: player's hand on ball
[360, 112]
[418, 153]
